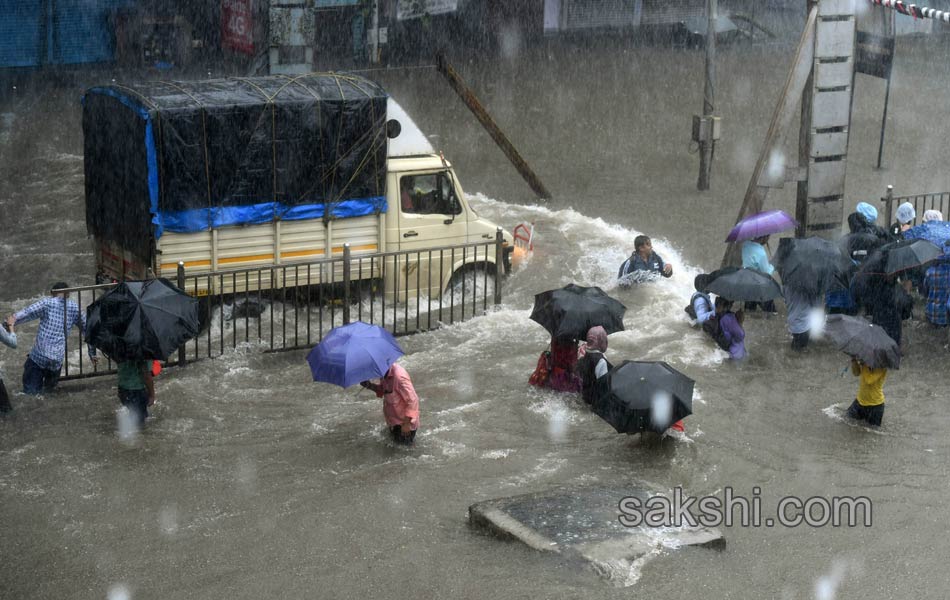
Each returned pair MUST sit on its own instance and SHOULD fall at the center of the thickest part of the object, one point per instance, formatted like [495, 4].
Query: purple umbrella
[759, 224]
[353, 353]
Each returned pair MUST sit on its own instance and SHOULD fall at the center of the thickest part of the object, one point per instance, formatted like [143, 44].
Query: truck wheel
[477, 281]
[205, 312]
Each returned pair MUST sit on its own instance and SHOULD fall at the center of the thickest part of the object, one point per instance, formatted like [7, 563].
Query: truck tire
[479, 277]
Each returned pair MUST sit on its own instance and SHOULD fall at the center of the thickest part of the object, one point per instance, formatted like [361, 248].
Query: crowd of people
[58, 314]
[886, 299]
[572, 365]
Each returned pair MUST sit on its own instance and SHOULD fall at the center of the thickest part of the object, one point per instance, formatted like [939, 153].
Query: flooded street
[251, 481]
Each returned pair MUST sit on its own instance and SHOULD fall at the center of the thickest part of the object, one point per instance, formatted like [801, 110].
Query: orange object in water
[156, 368]
[523, 236]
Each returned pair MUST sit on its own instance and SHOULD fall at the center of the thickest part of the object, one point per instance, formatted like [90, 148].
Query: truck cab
[428, 210]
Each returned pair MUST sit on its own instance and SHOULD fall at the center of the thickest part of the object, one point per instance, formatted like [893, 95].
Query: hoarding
[414, 9]
[874, 48]
[237, 25]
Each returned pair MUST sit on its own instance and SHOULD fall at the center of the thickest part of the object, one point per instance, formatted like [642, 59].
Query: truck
[251, 173]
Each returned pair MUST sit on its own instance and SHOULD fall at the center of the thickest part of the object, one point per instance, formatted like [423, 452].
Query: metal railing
[921, 202]
[291, 307]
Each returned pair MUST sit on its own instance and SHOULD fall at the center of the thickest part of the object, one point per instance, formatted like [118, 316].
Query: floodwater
[251, 481]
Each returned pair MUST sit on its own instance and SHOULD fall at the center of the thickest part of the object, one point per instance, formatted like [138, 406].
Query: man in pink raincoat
[400, 403]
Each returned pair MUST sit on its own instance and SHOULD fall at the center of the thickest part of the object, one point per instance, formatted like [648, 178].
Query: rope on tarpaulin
[913, 10]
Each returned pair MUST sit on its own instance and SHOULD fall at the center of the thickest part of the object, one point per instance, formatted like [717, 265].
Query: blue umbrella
[937, 232]
[353, 353]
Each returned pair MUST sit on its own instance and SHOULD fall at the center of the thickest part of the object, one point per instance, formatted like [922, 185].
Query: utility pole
[706, 128]
[471, 101]
[804, 144]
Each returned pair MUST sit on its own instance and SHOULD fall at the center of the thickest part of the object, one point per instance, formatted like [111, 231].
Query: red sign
[237, 25]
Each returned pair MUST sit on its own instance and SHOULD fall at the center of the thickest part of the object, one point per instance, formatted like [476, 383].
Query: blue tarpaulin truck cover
[192, 156]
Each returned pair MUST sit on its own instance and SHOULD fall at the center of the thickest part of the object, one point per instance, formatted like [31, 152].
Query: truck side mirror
[455, 210]
[393, 128]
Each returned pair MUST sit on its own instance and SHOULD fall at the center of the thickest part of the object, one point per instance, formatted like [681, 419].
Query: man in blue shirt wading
[57, 315]
[644, 264]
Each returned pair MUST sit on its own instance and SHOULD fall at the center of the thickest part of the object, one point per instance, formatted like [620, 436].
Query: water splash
[168, 519]
[557, 424]
[119, 591]
[661, 410]
[826, 586]
[127, 426]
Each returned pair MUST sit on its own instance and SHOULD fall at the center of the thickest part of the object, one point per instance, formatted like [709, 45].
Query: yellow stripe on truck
[188, 264]
[259, 257]
[248, 258]
[339, 249]
[297, 253]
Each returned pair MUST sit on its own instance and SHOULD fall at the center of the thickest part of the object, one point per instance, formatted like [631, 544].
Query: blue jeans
[36, 379]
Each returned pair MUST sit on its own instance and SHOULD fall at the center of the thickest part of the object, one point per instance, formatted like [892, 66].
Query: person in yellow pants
[869, 405]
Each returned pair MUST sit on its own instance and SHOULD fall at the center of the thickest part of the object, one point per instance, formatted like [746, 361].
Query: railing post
[346, 283]
[499, 262]
[888, 202]
[181, 286]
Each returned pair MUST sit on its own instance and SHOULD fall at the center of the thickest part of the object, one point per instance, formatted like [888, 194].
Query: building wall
[57, 32]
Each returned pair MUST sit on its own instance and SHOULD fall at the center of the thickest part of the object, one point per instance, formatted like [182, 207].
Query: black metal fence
[290, 307]
[921, 202]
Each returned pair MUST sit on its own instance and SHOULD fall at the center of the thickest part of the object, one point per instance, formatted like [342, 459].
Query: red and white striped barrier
[913, 10]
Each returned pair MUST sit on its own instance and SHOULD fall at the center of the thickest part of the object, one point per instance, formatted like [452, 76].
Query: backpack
[715, 331]
[542, 371]
[903, 302]
[691, 310]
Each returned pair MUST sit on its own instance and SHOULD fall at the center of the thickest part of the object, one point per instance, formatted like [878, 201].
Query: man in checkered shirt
[57, 315]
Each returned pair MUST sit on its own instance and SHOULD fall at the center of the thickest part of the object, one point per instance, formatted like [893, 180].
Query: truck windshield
[429, 193]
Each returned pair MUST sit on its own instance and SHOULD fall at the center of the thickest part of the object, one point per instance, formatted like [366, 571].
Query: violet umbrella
[353, 353]
[759, 224]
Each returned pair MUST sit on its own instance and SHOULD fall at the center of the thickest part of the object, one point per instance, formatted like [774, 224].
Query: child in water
[869, 405]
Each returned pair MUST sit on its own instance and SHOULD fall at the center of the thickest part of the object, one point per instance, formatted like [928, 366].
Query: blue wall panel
[21, 30]
[41, 32]
[81, 32]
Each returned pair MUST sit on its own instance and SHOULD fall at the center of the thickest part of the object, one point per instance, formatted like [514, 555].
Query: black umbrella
[863, 340]
[704, 279]
[745, 285]
[570, 311]
[907, 254]
[644, 396]
[810, 266]
[139, 320]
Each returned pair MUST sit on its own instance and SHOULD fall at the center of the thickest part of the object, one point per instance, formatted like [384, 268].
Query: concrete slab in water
[583, 523]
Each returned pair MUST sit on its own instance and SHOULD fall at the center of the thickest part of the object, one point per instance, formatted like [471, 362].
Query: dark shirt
[885, 301]
[858, 224]
[592, 387]
[653, 264]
